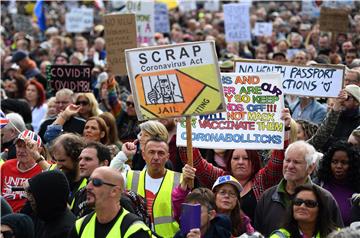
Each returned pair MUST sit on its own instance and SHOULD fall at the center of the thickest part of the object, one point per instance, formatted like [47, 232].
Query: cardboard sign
[252, 117]
[175, 80]
[187, 5]
[120, 34]
[314, 80]
[162, 23]
[212, 5]
[74, 77]
[145, 22]
[237, 22]
[263, 29]
[334, 20]
[79, 20]
[22, 23]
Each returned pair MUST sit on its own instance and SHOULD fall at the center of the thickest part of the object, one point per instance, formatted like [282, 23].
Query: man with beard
[92, 156]
[349, 117]
[109, 219]
[66, 150]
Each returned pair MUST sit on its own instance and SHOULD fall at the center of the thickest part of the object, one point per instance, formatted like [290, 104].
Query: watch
[41, 158]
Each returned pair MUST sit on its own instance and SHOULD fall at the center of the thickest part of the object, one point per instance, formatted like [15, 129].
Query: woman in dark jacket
[339, 173]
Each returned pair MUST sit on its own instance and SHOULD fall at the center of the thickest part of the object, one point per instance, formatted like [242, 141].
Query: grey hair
[311, 156]
[65, 92]
[346, 232]
[17, 121]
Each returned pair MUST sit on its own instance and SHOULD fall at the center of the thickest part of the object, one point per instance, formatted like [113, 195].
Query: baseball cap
[29, 134]
[354, 90]
[18, 56]
[227, 179]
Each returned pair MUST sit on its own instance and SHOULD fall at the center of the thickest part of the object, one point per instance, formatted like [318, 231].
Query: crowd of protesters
[82, 165]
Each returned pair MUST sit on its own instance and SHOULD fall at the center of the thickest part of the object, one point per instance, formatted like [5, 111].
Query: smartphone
[190, 217]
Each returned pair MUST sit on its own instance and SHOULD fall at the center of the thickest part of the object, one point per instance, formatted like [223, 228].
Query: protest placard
[162, 23]
[175, 80]
[212, 5]
[263, 29]
[252, 117]
[79, 20]
[314, 80]
[237, 22]
[22, 23]
[120, 34]
[187, 5]
[145, 22]
[334, 20]
[74, 77]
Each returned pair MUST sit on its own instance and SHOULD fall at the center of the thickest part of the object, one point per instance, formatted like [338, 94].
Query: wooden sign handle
[189, 150]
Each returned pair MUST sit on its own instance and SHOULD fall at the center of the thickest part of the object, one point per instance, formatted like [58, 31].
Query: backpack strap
[85, 222]
[128, 220]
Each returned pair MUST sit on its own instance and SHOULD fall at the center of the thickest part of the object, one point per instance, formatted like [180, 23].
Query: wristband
[41, 158]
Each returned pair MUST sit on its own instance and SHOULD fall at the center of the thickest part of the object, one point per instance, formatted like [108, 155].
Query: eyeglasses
[98, 182]
[342, 162]
[308, 203]
[229, 193]
[82, 103]
[129, 104]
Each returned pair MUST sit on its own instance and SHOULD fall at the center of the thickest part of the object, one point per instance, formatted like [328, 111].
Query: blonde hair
[293, 131]
[155, 128]
[92, 101]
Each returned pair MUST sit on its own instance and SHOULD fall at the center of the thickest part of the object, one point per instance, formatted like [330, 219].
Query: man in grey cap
[350, 116]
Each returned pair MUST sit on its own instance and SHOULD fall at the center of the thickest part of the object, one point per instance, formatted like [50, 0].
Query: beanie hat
[354, 90]
[21, 224]
[50, 190]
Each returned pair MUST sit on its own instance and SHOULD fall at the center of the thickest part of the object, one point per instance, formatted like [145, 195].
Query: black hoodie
[50, 190]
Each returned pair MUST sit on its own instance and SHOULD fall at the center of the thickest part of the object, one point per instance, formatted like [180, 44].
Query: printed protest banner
[237, 22]
[162, 23]
[314, 80]
[263, 29]
[120, 34]
[334, 20]
[145, 22]
[252, 117]
[79, 20]
[74, 77]
[212, 5]
[175, 80]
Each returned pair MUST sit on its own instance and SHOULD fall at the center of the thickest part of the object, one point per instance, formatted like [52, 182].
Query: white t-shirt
[152, 184]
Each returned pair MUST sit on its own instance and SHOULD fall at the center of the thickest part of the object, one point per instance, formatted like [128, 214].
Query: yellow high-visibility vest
[89, 229]
[162, 216]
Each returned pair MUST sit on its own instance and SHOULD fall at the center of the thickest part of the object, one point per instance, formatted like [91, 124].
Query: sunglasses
[349, 98]
[308, 203]
[98, 182]
[129, 104]
[83, 103]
